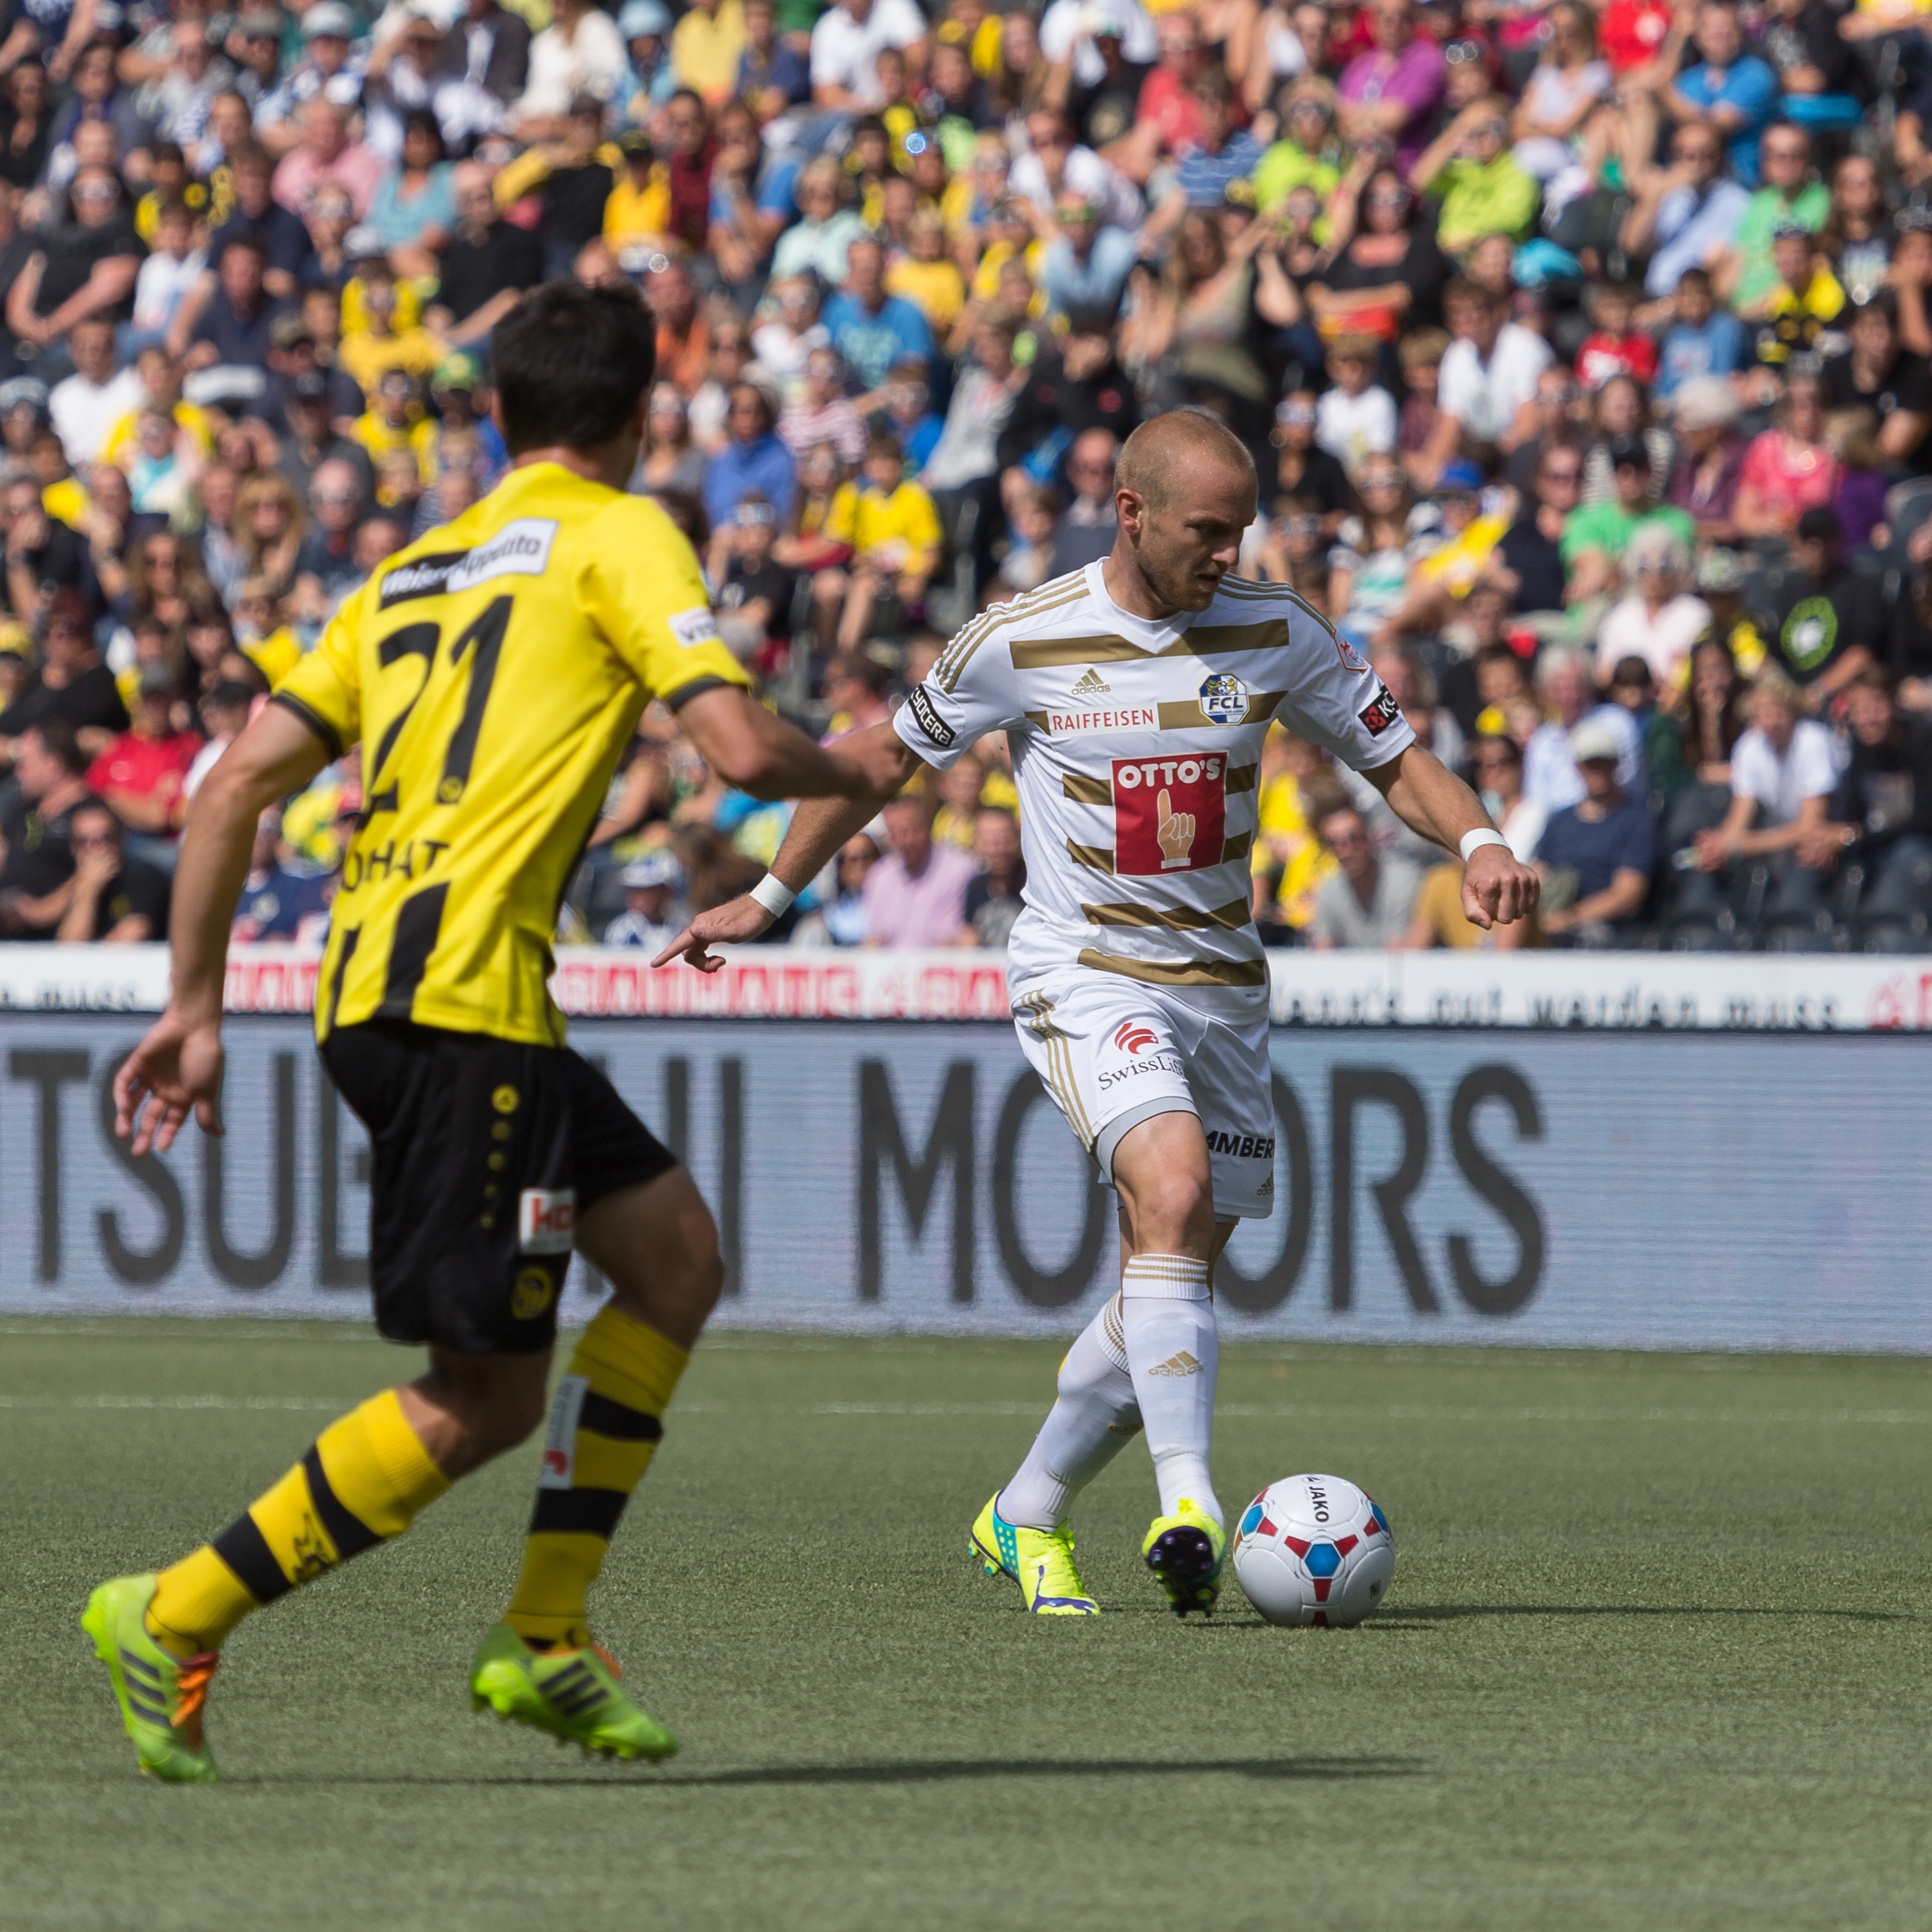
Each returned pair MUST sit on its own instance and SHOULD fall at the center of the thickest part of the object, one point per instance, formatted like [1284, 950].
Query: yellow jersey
[493, 671]
[905, 525]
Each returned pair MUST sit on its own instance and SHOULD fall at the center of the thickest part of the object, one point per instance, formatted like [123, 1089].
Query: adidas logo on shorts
[1182, 1364]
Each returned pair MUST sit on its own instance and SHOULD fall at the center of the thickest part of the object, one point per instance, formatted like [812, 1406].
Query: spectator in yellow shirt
[893, 529]
[160, 385]
[383, 342]
[1290, 864]
[637, 215]
[394, 422]
[932, 284]
[704, 48]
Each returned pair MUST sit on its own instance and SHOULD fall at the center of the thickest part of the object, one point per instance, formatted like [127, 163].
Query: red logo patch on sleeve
[1170, 815]
[1379, 715]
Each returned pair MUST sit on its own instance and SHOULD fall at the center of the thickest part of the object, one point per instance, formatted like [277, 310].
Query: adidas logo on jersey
[1092, 684]
[1182, 1364]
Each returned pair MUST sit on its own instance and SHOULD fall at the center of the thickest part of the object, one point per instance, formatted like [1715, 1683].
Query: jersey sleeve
[325, 689]
[1335, 701]
[642, 589]
[969, 692]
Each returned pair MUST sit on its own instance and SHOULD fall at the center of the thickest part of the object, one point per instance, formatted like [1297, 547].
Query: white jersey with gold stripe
[1136, 746]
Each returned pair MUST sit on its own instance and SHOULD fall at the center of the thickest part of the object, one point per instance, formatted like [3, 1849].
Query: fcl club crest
[1224, 699]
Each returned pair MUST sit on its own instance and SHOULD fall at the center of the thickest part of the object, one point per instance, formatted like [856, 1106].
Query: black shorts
[485, 1151]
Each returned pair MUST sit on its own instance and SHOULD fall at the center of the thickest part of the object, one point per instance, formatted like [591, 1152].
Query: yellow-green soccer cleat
[572, 1694]
[1184, 1552]
[160, 1695]
[1039, 1561]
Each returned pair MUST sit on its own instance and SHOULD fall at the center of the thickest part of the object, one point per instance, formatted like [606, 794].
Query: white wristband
[1473, 842]
[774, 894]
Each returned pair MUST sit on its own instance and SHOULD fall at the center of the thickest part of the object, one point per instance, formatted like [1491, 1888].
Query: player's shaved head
[1185, 490]
[1161, 461]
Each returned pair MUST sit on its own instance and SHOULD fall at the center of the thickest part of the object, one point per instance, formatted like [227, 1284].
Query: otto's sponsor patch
[693, 628]
[1381, 713]
[560, 1455]
[929, 719]
[1170, 815]
[547, 1220]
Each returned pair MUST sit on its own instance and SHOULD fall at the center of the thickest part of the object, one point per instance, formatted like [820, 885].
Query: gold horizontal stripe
[1232, 916]
[1040, 720]
[1218, 639]
[1098, 858]
[1043, 653]
[1188, 716]
[1241, 778]
[1237, 848]
[1187, 973]
[1086, 790]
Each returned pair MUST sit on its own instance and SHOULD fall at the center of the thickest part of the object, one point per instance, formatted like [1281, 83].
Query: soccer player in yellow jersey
[491, 672]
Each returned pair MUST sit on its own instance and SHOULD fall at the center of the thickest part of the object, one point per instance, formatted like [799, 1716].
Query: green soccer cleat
[160, 1695]
[572, 1694]
[1039, 1561]
[1184, 1552]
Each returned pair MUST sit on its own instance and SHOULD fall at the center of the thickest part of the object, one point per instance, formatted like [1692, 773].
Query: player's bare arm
[820, 825]
[749, 748]
[1498, 888]
[177, 1067]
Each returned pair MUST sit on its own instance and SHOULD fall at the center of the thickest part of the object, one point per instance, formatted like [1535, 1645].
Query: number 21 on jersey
[479, 645]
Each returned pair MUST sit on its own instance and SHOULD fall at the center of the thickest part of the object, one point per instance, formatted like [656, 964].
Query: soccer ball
[1314, 1549]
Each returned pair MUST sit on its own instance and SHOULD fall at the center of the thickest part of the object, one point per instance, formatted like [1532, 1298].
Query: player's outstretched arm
[818, 829]
[747, 747]
[176, 1069]
[1498, 888]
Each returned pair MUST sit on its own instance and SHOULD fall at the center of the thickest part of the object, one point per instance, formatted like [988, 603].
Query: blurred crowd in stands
[1582, 351]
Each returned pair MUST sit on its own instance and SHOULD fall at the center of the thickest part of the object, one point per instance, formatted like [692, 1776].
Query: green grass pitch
[1656, 1655]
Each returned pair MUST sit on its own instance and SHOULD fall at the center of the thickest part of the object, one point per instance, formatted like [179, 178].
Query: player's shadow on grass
[921, 1771]
[1434, 1613]
[936, 1770]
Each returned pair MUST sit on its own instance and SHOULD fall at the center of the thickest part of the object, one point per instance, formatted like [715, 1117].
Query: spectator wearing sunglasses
[84, 266]
[1482, 188]
[118, 900]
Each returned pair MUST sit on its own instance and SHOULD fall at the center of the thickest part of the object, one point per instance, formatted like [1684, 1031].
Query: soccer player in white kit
[1135, 695]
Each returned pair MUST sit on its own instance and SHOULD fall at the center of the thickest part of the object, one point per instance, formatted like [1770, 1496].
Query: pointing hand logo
[1176, 832]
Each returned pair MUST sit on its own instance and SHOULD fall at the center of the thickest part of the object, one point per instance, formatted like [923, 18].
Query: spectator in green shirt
[1308, 124]
[1791, 194]
[1483, 188]
[1595, 537]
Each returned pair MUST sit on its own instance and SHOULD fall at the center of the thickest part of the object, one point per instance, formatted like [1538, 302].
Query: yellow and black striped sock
[363, 1481]
[604, 1424]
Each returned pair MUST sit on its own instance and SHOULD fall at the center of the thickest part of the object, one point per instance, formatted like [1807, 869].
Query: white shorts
[1113, 1052]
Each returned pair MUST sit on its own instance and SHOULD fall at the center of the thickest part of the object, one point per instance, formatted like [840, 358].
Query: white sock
[1173, 1354]
[1094, 1419]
